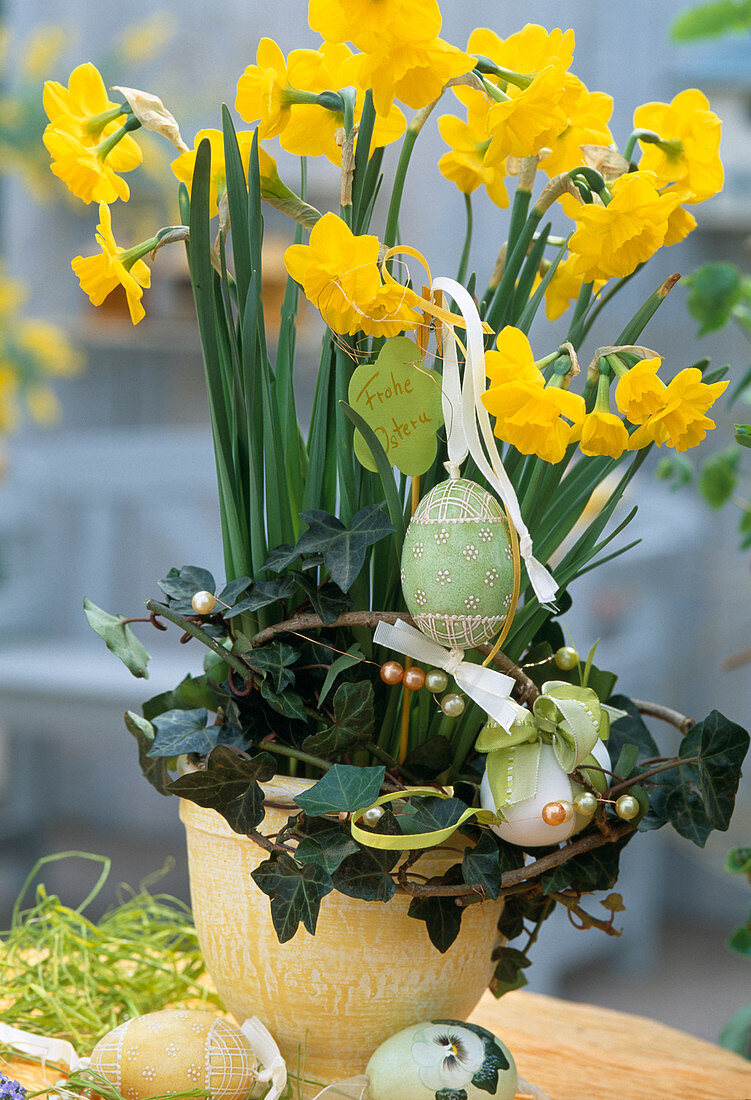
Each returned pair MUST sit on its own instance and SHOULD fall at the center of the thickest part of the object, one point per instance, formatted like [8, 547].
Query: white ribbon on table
[355, 1088]
[463, 409]
[488, 688]
[268, 1054]
[39, 1046]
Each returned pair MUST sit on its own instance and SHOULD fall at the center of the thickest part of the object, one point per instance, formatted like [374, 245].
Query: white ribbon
[359, 1083]
[463, 409]
[268, 1054]
[488, 688]
[46, 1050]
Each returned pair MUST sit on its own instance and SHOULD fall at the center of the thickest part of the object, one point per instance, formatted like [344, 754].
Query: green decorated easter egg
[442, 1058]
[457, 566]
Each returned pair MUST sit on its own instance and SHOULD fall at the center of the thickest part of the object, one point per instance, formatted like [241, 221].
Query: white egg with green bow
[536, 760]
[442, 1058]
[457, 565]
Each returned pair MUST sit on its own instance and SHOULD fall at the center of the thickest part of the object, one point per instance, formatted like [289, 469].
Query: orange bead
[414, 679]
[557, 813]
[392, 672]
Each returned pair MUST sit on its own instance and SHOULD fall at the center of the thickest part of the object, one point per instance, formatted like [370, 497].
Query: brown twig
[657, 710]
[527, 691]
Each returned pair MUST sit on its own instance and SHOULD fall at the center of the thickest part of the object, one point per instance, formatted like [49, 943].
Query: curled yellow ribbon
[409, 841]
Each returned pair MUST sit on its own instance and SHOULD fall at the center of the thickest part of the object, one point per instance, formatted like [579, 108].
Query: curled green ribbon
[569, 718]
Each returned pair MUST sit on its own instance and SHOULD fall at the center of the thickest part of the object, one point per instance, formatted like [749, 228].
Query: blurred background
[107, 479]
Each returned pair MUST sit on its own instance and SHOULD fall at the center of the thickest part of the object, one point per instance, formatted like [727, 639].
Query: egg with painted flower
[442, 1058]
[457, 565]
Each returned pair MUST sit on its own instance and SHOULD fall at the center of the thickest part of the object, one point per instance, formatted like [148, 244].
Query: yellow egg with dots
[176, 1051]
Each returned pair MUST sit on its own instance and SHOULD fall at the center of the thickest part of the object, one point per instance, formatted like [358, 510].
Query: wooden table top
[579, 1052]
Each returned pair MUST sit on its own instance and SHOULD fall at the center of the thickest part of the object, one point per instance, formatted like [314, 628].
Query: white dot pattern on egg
[442, 1058]
[457, 565]
[176, 1050]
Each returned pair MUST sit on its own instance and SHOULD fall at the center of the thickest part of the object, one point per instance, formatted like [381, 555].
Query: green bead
[566, 658]
[436, 680]
[627, 807]
[585, 803]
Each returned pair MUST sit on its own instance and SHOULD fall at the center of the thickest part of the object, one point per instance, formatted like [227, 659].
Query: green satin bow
[569, 718]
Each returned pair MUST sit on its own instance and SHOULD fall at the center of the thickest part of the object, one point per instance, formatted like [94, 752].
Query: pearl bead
[436, 680]
[452, 705]
[392, 672]
[627, 807]
[414, 678]
[203, 603]
[585, 803]
[372, 816]
[566, 657]
[557, 813]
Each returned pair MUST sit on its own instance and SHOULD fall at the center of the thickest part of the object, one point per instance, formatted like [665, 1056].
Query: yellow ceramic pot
[369, 971]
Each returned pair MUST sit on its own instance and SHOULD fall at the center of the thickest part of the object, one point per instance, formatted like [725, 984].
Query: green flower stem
[494, 92]
[105, 147]
[344, 365]
[603, 301]
[576, 329]
[464, 261]
[296, 754]
[400, 176]
[96, 123]
[486, 66]
[165, 612]
[617, 365]
[532, 490]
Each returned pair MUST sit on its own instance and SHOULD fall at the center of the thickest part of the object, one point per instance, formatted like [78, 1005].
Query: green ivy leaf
[677, 470]
[328, 600]
[721, 746]
[740, 941]
[295, 893]
[626, 762]
[596, 870]
[181, 585]
[353, 656]
[430, 759]
[354, 719]
[343, 788]
[262, 594]
[630, 730]
[714, 289]
[181, 731]
[284, 702]
[326, 849]
[719, 477]
[736, 1034]
[229, 785]
[442, 916]
[481, 866]
[366, 875]
[233, 590]
[344, 549]
[273, 661]
[119, 638]
[743, 434]
[430, 813]
[156, 771]
[509, 971]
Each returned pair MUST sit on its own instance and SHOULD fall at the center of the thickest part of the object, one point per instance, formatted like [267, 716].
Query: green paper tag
[401, 401]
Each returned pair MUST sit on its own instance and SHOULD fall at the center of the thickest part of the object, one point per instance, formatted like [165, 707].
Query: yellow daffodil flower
[413, 72]
[85, 170]
[680, 223]
[639, 393]
[339, 274]
[529, 119]
[79, 107]
[313, 130]
[688, 157]
[563, 289]
[603, 432]
[611, 241]
[49, 347]
[366, 22]
[587, 114]
[263, 90]
[512, 360]
[184, 165]
[99, 275]
[681, 422]
[465, 165]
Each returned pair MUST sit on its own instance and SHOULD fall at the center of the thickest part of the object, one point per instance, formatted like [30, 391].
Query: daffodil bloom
[639, 393]
[99, 275]
[83, 108]
[603, 432]
[365, 22]
[687, 158]
[587, 114]
[263, 91]
[339, 274]
[413, 72]
[313, 130]
[528, 119]
[680, 223]
[85, 169]
[611, 241]
[681, 422]
[527, 51]
[512, 360]
[184, 165]
[563, 289]
[49, 347]
[465, 165]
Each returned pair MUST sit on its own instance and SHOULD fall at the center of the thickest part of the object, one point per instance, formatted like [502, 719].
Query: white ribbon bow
[268, 1054]
[463, 409]
[488, 688]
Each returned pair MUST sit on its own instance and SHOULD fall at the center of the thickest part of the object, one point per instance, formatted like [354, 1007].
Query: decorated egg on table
[525, 824]
[442, 1058]
[177, 1050]
[457, 565]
